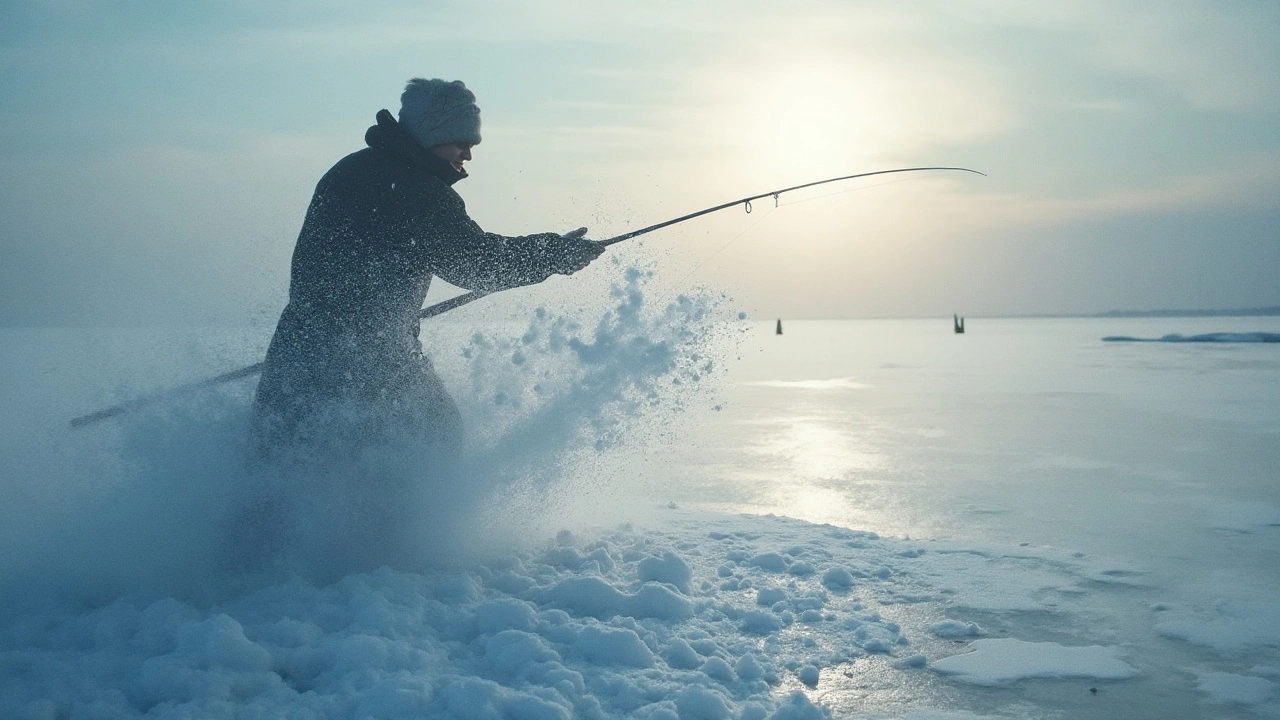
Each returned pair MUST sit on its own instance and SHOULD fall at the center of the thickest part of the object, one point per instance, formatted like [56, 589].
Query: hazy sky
[156, 158]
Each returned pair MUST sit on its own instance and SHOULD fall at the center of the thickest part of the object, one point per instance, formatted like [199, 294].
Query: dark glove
[574, 252]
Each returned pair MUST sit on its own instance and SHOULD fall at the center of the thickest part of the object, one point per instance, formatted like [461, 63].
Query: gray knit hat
[437, 112]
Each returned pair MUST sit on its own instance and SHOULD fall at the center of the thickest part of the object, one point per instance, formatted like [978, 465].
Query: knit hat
[437, 112]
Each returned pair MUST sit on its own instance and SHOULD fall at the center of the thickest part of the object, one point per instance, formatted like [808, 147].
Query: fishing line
[732, 240]
[778, 204]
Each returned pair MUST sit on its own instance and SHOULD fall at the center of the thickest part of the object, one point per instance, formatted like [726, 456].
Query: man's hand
[578, 251]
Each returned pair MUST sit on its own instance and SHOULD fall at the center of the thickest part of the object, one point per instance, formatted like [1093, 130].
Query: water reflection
[811, 463]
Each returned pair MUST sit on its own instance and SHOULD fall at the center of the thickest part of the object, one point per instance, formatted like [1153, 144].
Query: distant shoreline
[1272, 311]
[1239, 312]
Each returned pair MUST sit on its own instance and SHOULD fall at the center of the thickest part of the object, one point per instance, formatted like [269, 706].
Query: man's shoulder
[371, 165]
[365, 160]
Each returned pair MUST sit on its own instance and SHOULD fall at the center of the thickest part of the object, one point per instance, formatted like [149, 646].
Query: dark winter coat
[382, 222]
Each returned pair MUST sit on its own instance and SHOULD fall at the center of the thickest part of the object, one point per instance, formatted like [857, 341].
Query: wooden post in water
[779, 330]
[959, 324]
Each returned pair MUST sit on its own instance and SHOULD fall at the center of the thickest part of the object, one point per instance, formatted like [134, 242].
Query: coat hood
[389, 136]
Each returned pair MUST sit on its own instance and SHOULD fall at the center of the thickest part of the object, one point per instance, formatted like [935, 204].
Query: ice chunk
[590, 596]
[681, 655]
[913, 661]
[471, 697]
[769, 561]
[838, 579]
[801, 568]
[717, 669]
[749, 668]
[511, 651]
[505, 614]
[593, 597]
[955, 629]
[700, 703]
[760, 622]
[670, 568]
[614, 646]
[658, 601]
[770, 596]
[220, 642]
[798, 707]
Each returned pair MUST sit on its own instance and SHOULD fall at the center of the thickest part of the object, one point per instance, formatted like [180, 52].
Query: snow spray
[154, 505]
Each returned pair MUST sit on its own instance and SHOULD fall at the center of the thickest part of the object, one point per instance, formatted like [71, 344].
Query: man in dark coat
[345, 365]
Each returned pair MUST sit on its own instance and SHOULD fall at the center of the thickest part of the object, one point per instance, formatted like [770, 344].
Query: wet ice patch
[1226, 688]
[1243, 517]
[995, 582]
[844, 383]
[932, 714]
[1006, 660]
[1230, 627]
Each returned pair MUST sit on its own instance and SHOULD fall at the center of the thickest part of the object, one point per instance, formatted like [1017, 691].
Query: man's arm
[456, 249]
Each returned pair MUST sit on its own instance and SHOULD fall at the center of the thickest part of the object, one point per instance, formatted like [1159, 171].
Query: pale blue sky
[156, 158]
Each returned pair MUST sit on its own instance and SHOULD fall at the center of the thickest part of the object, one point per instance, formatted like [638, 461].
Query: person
[345, 364]
[347, 394]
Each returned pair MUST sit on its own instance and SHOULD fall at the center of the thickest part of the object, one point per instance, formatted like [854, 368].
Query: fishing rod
[457, 302]
[460, 300]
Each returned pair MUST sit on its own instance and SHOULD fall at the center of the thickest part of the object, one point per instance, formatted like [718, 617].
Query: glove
[575, 252]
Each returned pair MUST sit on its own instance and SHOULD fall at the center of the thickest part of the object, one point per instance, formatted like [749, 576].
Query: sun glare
[807, 120]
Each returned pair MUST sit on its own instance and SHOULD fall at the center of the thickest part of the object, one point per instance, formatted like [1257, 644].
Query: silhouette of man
[345, 363]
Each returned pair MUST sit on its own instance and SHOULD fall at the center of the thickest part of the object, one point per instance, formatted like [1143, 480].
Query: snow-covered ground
[692, 615]
[672, 513]
[699, 616]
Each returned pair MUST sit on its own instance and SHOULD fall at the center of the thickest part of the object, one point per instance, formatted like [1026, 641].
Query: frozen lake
[1019, 431]
[1022, 521]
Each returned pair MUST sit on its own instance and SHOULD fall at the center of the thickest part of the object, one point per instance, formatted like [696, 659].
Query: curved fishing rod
[456, 302]
[460, 300]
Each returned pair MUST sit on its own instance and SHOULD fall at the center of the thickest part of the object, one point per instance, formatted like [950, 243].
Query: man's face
[453, 153]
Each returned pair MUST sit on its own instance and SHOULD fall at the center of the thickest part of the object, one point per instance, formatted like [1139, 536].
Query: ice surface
[686, 612]
[1229, 627]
